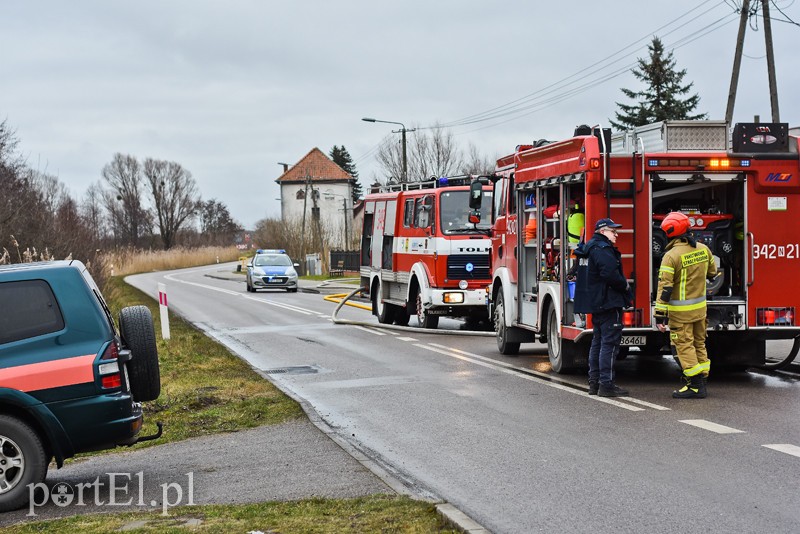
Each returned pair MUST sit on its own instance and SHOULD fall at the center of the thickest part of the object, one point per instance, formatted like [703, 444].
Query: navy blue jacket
[601, 284]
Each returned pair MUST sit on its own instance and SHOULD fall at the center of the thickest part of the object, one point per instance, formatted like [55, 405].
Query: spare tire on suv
[138, 335]
[68, 383]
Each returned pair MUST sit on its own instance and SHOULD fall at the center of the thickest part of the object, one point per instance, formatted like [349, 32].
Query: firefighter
[681, 303]
[575, 222]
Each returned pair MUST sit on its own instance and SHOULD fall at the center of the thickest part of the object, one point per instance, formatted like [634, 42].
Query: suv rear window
[29, 309]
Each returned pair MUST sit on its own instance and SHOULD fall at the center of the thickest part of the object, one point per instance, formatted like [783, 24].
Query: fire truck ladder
[621, 195]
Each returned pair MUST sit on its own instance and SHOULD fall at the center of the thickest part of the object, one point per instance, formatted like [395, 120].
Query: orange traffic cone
[530, 229]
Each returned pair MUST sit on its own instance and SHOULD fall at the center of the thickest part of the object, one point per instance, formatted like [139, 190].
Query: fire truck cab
[741, 191]
[421, 256]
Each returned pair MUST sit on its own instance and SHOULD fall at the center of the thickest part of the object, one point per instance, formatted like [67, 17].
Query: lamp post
[403, 131]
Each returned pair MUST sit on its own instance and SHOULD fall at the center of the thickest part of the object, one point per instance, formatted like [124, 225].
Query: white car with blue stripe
[271, 269]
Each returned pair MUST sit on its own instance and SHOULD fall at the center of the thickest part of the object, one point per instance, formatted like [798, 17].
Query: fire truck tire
[401, 316]
[425, 319]
[505, 346]
[560, 352]
[383, 310]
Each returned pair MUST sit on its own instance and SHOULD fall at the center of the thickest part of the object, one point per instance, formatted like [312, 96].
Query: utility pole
[344, 209]
[773, 84]
[737, 61]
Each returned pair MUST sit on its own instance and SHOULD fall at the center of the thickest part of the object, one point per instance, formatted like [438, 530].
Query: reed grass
[122, 262]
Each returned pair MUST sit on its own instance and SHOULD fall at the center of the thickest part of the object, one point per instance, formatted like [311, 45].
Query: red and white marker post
[162, 305]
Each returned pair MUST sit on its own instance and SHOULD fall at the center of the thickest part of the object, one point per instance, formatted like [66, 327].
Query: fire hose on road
[350, 295]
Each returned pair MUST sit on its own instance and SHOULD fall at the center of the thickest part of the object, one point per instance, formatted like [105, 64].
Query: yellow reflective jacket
[682, 281]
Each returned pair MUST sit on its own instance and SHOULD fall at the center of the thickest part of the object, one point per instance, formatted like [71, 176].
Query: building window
[301, 194]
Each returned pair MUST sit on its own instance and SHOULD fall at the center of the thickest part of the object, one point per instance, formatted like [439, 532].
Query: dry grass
[123, 262]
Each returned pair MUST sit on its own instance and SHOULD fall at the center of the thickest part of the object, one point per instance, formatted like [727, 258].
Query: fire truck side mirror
[475, 195]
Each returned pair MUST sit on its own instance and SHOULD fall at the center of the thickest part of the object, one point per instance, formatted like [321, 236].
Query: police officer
[681, 303]
[602, 290]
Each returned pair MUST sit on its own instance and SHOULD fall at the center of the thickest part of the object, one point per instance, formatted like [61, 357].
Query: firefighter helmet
[675, 224]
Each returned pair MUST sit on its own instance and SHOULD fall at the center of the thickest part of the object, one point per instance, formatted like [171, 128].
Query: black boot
[611, 391]
[702, 389]
[593, 387]
[691, 388]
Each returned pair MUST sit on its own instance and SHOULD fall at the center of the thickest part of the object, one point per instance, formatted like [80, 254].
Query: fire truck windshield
[454, 213]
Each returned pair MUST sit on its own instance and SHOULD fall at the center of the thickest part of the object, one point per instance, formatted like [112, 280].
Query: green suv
[70, 382]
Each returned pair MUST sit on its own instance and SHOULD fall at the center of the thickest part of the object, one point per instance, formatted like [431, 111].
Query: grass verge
[379, 513]
[204, 388]
[207, 390]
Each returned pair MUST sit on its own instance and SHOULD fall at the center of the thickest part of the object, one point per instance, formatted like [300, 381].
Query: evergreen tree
[341, 157]
[663, 99]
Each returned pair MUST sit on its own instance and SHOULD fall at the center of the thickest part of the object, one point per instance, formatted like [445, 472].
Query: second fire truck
[420, 255]
[741, 192]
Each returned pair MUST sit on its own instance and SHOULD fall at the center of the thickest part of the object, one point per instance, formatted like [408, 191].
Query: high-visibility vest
[575, 225]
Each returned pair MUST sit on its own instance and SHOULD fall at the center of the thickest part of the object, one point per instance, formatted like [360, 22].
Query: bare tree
[430, 153]
[91, 210]
[476, 162]
[216, 222]
[129, 218]
[174, 194]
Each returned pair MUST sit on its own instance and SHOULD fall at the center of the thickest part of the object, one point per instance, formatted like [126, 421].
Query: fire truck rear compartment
[715, 206]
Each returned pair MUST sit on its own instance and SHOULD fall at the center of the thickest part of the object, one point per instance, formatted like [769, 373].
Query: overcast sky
[228, 89]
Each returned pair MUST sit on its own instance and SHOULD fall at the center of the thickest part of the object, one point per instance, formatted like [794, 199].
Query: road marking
[713, 427]
[406, 339]
[285, 306]
[370, 330]
[511, 370]
[794, 450]
[648, 404]
[548, 377]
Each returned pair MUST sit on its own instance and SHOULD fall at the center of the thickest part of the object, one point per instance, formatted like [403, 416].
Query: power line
[590, 84]
[597, 66]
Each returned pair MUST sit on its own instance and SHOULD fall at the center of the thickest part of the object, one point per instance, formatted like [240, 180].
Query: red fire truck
[421, 256]
[741, 192]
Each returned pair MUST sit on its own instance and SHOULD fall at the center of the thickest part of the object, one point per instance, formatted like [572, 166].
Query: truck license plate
[632, 341]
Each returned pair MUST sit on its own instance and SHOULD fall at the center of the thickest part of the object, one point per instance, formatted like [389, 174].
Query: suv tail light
[108, 369]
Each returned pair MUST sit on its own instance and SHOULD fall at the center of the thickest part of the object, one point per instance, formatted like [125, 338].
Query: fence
[344, 260]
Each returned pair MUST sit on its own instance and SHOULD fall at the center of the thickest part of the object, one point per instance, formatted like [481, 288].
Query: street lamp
[402, 130]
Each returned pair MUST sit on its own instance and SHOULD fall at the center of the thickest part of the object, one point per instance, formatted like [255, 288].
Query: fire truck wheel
[384, 311]
[503, 344]
[426, 320]
[401, 316]
[561, 353]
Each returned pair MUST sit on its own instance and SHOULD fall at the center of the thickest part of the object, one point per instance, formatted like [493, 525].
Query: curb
[394, 479]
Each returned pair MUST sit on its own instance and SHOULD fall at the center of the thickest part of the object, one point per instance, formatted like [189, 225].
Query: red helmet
[675, 224]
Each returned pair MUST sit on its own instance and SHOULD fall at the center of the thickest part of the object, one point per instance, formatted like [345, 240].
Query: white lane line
[285, 306]
[648, 404]
[545, 375]
[406, 339]
[713, 427]
[370, 330]
[794, 450]
[503, 369]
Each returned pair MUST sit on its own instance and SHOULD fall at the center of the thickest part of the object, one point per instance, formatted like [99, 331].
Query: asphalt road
[516, 447]
[270, 463]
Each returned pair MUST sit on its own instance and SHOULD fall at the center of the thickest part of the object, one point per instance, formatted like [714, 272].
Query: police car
[271, 269]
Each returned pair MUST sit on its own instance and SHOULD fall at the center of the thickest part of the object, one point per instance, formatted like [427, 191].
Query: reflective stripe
[660, 306]
[665, 269]
[687, 305]
[697, 369]
[682, 291]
